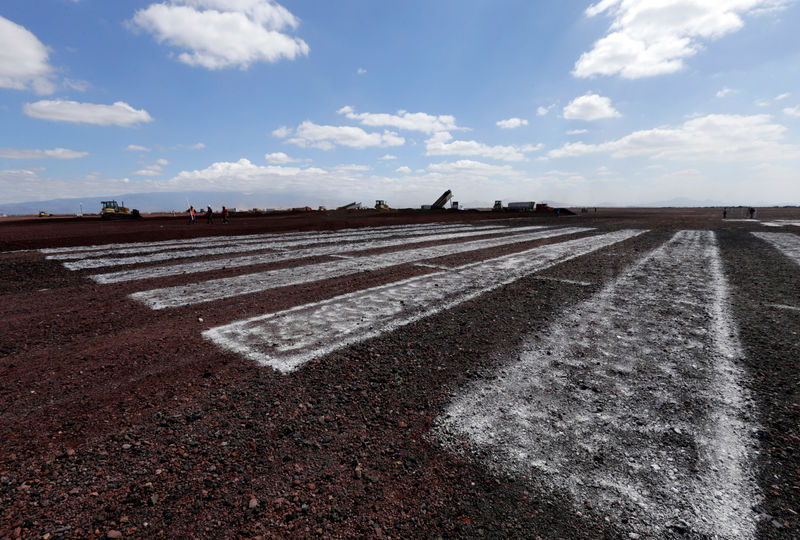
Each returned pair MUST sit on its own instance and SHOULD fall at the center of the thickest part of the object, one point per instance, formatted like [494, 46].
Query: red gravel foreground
[118, 421]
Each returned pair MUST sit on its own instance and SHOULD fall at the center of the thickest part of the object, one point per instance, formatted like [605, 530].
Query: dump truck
[442, 200]
[112, 210]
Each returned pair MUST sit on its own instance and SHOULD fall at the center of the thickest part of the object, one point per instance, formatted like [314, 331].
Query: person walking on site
[224, 214]
[724, 213]
[209, 215]
[191, 215]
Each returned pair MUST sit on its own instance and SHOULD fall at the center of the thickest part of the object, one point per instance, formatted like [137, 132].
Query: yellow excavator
[112, 210]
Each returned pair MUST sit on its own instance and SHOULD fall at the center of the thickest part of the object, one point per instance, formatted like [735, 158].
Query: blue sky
[309, 102]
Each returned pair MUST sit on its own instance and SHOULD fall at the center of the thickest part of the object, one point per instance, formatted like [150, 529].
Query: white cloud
[542, 111]
[762, 103]
[351, 168]
[223, 33]
[512, 123]
[403, 170]
[136, 148]
[590, 107]
[197, 146]
[577, 131]
[280, 158]
[23, 60]
[716, 137]
[471, 167]
[792, 111]
[387, 157]
[783, 96]
[58, 110]
[440, 145]
[423, 122]
[281, 132]
[55, 153]
[726, 92]
[654, 37]
[150, 170]
[361, 71]
[309, 134]
[162, 161]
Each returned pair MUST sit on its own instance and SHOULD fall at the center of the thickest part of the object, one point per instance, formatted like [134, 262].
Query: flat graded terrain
[614, 374]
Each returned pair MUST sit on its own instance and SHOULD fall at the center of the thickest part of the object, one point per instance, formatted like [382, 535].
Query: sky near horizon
[322, 103]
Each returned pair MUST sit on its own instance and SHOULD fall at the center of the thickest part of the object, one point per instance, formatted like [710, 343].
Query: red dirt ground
[114, 417]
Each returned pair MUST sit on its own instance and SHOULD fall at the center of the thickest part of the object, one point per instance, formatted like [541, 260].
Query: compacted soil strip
[633, 401]
[286, 340]
[218, 289]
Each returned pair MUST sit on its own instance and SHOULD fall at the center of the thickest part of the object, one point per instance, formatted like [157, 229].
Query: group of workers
[209, 215]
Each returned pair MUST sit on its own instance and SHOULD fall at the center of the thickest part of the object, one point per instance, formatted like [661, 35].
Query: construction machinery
[498, 206]
[112, 210]
[526, 206]
[380, 204]
[42, 213]
[352, 206]
[441, 201]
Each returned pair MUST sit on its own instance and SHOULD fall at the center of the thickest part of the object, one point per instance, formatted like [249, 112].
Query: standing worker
[191, 215]
[724, 213]
[224, 214]
[209, 215]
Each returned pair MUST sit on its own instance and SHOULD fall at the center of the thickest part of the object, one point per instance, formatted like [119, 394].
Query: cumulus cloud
[24, 60]
[577, 131]
[197, 146]
[725, 92]
[280, 158]
[542, 111]
[217, 34]
[403, 170]
[716, 137]
[792, 111]
[136, 148]
[590, 107]
[512, 123]
[423, 122]
[361, 71]
[471, 167]
[55, 153]
[654, 37]
[783, 96]
[150, 170]
[442, 144]
[58, 110]
[309, 134]
[387, 157]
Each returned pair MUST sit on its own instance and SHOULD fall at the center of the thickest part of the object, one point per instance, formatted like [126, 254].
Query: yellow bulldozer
[112, 210]
[381, 205]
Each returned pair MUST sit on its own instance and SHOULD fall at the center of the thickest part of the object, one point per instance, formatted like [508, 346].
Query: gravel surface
[120, 421]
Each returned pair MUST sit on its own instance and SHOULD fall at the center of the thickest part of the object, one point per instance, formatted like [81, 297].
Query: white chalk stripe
[786, 243]
[288, 339]
[607, 403]
[190, 250]
[218, 289]
[244, 248]
[784, 306]
[221, 239]
[370, 243]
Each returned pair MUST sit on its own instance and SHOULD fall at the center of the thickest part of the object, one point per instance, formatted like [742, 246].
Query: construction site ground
[624, 373]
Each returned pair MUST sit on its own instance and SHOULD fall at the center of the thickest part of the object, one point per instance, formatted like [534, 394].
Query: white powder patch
[143, 247]
[277, 244]
[218, 289]
[782, 223]
[335, 250]
[568, 281]
[786, 243]
[288, 339]
[633, 402]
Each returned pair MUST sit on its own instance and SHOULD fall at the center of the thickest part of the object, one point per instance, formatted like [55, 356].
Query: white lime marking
[288, 339]
[218, 289]
[333, 250]
[633, 401]
[275, 244]
[786, 243]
